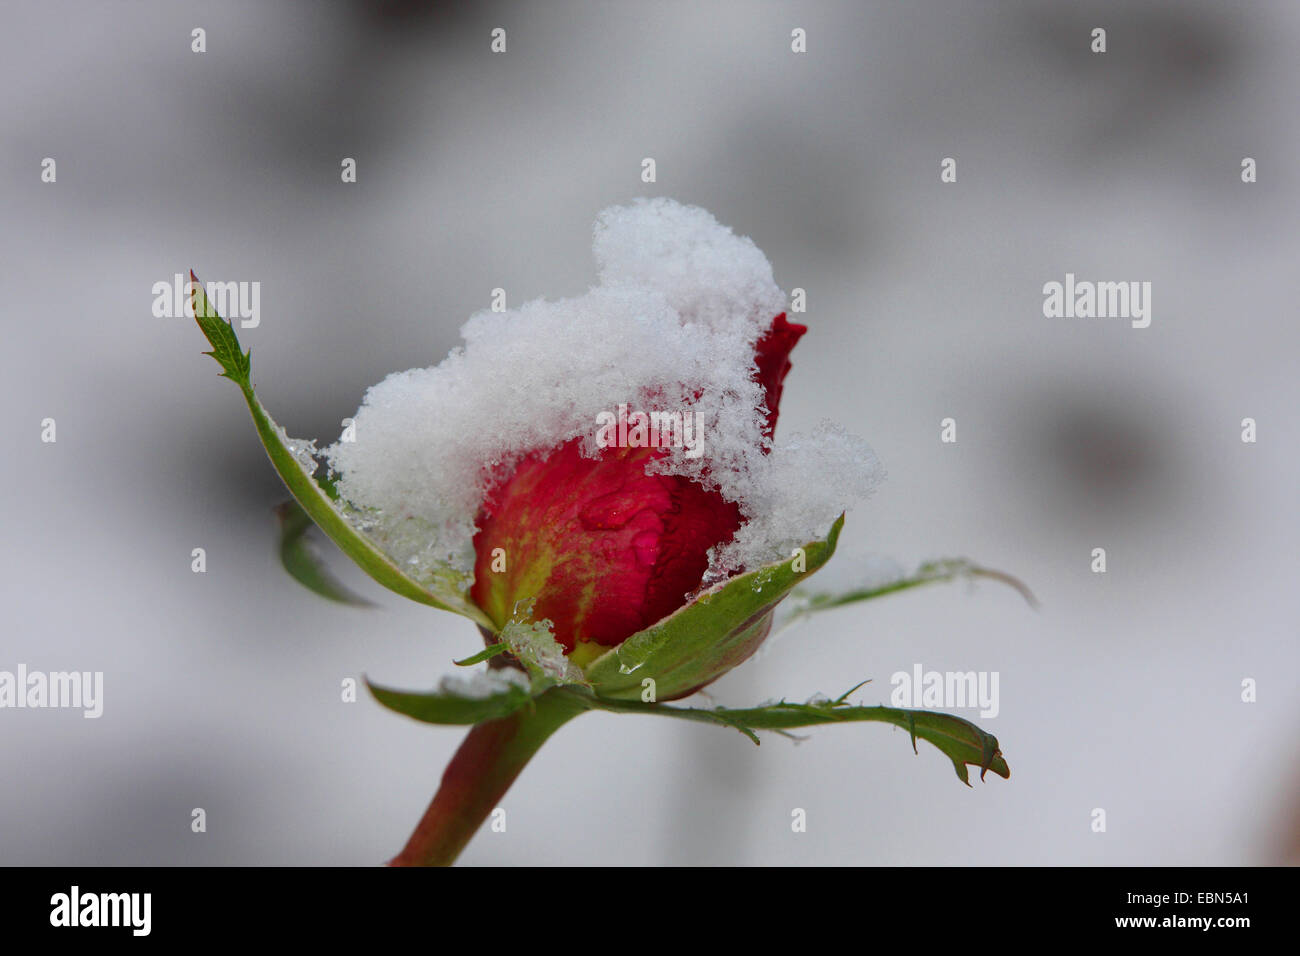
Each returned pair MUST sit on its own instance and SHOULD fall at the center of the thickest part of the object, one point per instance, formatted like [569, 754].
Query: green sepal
[303, 561]
[449, 707]
[932, 572]
[710, 635]
[489, 652]
[963, 742]
[314, 497]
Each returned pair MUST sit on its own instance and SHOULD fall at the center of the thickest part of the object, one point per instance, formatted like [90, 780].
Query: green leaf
[709, 636]
[489, 652]
[295, 464]
[960, 740]
[303, 561]
[946, 569]
[450, 706]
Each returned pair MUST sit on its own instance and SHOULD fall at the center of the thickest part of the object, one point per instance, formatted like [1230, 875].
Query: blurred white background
[477, 171]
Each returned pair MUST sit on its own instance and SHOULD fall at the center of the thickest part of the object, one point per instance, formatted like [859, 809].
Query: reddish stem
[485, 765]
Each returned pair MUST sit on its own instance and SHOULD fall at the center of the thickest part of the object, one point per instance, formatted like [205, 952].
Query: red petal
[773, 360]
[603, 548]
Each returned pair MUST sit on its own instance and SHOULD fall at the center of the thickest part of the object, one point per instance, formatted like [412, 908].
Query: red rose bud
[604, 549]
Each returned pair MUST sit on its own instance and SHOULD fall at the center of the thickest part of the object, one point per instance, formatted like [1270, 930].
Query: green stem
[484, 767]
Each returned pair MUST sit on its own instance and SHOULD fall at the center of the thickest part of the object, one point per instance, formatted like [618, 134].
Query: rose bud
[518, 462]
[603, 548]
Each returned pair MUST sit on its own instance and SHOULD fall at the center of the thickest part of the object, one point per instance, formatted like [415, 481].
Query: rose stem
[482, 770]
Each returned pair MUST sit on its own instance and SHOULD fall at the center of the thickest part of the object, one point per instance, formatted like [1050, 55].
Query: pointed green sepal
[711, 634]
[932, 572]
[489, 652]
[451, 704]
[295, 464]
[303, 560]
[961, 741]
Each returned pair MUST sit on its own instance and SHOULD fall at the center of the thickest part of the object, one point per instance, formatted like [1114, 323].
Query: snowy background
[479, 170]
